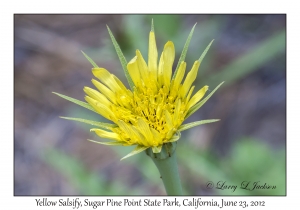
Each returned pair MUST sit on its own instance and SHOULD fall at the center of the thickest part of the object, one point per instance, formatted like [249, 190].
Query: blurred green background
[52, 155]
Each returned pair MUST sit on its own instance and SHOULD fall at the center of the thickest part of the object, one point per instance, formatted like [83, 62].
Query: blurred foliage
[88, 183]
[251, 60]
[250, 160]
[255, 161]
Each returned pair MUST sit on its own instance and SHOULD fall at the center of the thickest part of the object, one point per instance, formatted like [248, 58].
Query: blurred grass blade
[90, 60]
[136, 150]
[80, 103]
[252, 60]
[86, 182]
[95, 123]
[109, 143]
[205, 51]
[167, 26]
[198, 165]
[184, 51]
[198, 105]
[122, 58]
[193, 124]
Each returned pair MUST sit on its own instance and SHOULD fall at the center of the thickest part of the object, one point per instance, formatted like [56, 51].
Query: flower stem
[166, 164]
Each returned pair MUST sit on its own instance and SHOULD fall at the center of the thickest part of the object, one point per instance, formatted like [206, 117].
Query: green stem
[166, 164]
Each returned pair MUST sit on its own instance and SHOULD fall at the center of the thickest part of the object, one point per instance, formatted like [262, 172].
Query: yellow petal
[134, 71]
[130, 132]
[101, 109]
[169, 56]
[190, 78]
[176, 82]
[121, 85]
[171, 133]
[125, 128]
[105, 91]
[168, 117]
[186, 100]
[142, 67]
[159, 110]
[108, 79]
[97, 96]
[180, 74]
[145, 130]
[107, 134]
[160, 73]
[124, 100]
[177, 111]
[197, 97]
[156, 135]
[152, 56]
[140, 136]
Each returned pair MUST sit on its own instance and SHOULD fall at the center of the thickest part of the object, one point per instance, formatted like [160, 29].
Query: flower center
[162, 111]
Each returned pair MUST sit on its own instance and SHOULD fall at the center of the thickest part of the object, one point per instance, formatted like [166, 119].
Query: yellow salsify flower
[151, 113]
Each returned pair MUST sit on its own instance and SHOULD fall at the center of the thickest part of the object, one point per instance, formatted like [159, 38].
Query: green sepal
[109, 143]
[198, 105]
[184, 51]
[193, 124]
[122, 58]
[152, 25]
[95, 123]
[205, 51]
[90, 60]
[136, 150]
[80, 103]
